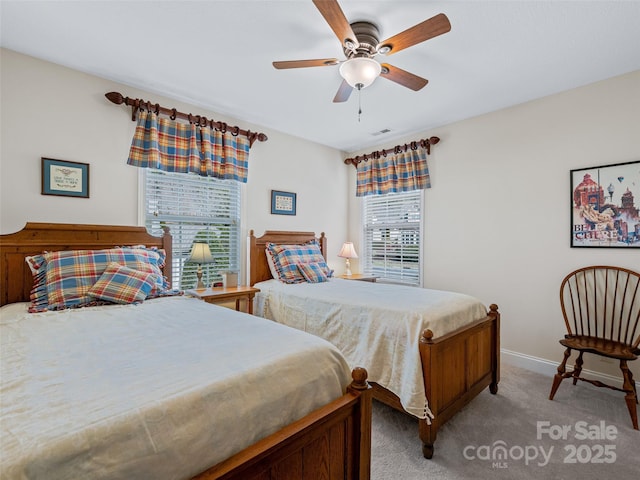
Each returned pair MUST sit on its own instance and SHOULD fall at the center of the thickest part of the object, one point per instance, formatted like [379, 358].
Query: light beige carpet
[584, 433]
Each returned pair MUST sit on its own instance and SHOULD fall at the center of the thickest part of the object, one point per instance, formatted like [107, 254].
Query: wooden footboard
[334, 442]
[456, 368]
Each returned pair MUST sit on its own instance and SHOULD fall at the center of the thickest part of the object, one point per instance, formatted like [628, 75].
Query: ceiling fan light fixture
[360, 72]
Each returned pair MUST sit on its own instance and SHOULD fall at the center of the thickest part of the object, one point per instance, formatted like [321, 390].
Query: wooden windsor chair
[601, 309]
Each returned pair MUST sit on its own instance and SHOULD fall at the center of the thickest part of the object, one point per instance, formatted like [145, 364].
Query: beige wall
[496, 219]
[497, 216]
[51, 111]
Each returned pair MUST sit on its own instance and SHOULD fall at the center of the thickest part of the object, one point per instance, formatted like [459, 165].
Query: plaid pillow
[38, 297]
[120, 284]
[62, 279]
[312, 272]
[287, 257]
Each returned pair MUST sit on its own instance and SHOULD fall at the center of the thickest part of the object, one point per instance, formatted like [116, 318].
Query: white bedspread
[375, 325]
[159, 390]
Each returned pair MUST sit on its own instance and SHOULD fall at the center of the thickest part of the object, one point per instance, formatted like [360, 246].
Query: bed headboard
[16, 280]
[257, 258]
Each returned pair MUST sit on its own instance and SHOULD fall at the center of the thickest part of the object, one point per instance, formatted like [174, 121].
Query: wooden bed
[456, 366]
[333, 442]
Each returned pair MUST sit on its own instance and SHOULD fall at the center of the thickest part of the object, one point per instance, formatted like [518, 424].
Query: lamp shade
[200, 253]
[347, 251]
[360, 72]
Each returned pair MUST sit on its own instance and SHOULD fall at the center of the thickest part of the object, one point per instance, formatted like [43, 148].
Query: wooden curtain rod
[138, 103]
[424, 143]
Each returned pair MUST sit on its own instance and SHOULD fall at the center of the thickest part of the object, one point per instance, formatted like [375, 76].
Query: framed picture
[604, 206]
[283, 203]
[69, 179]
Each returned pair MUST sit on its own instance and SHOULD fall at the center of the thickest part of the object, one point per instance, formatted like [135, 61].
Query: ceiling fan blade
[320, 62]
[430, 28]
[402, 77]
[343, 93]
[333, 14]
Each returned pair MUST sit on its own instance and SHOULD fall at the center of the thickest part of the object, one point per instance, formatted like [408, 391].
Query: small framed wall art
[283, 203]
[64, 178]
[605, 206]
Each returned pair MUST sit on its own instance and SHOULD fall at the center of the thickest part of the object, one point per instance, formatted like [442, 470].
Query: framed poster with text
[604, 206]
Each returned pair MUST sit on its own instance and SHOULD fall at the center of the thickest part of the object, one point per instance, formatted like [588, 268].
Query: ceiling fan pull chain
[359, 101]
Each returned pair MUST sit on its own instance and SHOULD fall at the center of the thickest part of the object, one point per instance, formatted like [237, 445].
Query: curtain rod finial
[434, 140]
[115, 97]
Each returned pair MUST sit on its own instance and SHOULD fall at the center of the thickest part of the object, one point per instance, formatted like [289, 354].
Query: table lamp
[200, 254]
[347, 251]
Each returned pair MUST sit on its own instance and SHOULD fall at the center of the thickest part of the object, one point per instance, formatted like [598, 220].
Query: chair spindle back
[602, 302]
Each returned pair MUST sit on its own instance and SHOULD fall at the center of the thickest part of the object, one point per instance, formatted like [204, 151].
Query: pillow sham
[62, 279]
[38, 296]
[313, 272]
[272, 267]
[287, 257]
[120, 284]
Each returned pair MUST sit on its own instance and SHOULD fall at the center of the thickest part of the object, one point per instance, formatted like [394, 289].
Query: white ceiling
[218, 54]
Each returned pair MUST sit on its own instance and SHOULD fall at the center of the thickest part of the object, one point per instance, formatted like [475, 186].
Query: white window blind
[392, 227]
[195, 208]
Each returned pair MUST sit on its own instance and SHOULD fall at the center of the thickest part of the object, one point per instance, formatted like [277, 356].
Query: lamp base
[200, 285]
[348, 268]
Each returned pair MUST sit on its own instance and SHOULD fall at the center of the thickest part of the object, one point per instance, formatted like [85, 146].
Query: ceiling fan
[360, 44]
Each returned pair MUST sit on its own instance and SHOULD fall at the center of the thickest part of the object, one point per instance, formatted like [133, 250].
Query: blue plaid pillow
[287, 257]
[120, 284]
[62, 279]
[39, 300]
[312, 272]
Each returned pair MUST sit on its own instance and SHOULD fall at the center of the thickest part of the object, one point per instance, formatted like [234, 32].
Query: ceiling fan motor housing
[367, 35]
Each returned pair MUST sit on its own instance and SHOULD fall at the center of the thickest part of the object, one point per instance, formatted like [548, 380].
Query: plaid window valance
[171, 146]
[392, 173]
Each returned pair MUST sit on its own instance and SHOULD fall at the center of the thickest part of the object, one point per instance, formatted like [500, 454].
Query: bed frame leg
[428, 434]
[427, 450]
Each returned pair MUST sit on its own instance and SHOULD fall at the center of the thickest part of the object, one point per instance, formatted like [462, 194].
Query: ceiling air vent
[384, 130]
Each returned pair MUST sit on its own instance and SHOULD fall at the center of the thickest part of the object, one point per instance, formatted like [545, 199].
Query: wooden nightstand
[359, 276]
[222, 295]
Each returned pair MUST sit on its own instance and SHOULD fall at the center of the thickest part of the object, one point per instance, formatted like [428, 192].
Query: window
[392, 228]
[195, 208]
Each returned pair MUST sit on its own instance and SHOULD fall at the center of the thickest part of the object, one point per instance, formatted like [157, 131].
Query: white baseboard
[546, 367]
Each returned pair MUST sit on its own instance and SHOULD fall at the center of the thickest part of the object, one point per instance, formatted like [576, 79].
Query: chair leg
[577, 368]
[562, 368]
[630, 398]
[633, 384]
